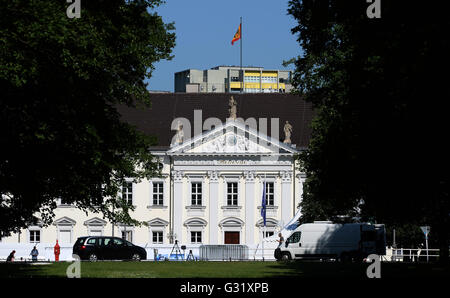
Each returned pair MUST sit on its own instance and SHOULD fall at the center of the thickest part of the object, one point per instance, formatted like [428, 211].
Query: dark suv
[107, 248]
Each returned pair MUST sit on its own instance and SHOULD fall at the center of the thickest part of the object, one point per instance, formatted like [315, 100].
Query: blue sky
[204, 29]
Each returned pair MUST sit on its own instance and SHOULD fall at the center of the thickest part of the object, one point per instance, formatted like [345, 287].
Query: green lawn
[222, 270]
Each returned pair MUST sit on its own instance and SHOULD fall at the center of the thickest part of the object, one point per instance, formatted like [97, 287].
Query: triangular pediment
[233, 137]
[64, 221]
[95, 222]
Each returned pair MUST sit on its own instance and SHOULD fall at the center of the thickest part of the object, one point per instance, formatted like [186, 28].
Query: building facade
[228, 79]
[210, 192]
[211, 184]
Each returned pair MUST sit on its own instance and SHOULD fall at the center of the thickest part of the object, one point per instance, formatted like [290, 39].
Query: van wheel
[93, 258]
[136, 257]
[286, 256]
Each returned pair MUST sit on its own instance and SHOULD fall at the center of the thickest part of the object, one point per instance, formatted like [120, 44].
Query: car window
[127, 243]
[294, 238]
[92, 241]
[107, 241]
[118, 241]
[80, 241]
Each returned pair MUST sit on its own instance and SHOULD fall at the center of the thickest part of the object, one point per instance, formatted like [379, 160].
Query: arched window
[195, 227]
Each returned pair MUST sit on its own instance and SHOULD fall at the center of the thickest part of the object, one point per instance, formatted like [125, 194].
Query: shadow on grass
[312, 269]
[292, 269]
[24, 270]
[338, 270]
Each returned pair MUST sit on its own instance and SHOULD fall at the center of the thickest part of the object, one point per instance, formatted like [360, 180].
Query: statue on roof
[233, 108]
[287, 133]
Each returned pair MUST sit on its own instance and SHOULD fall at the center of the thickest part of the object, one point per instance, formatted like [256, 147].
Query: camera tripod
[190, 256]
[176, 248]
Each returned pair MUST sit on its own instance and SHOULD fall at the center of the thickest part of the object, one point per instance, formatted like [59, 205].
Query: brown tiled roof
[165, 107]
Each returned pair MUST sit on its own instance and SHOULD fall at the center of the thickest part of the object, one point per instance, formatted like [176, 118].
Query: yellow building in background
[228, 79]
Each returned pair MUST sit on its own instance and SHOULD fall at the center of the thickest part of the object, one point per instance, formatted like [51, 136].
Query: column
[249, 207]
[286, 196]
[213, 207]
[300, 179]
[178, 205]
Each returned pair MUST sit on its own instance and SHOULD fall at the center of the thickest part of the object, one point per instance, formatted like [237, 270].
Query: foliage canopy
[61, 79]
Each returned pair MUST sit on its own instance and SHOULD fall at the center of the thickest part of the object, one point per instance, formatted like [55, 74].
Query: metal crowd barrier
[226, 252]
[413, 255]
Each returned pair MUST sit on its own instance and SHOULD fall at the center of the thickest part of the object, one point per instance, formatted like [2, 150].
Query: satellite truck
[326, 240]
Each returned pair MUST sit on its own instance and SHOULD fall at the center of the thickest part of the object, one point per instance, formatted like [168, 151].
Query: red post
[57, 251]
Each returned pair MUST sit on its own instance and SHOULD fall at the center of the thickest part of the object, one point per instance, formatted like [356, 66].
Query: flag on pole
[236, 36]
[263, 204]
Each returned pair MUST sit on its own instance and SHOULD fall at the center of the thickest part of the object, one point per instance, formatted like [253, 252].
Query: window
[35, 236]
[294, 238]
[80, 241]
[92, 241]
[127, 235]
[65, 202]
[127, 192]
[196, 194]
[157, 237]
[196, 237]
[158, 193]
[118, 241]
[232, 193]
[270, 194]
[106, 241]
[269, 233]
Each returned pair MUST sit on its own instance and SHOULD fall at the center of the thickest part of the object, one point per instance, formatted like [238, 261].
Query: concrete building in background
[228, 79]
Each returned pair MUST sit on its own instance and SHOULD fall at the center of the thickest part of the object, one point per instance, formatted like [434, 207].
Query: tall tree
[61, 79]
[378, 147]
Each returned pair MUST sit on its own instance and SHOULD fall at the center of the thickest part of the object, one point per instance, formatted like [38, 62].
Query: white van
[326, 240]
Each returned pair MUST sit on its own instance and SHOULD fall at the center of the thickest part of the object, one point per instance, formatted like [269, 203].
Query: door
[106, 248]
[232, 237]
[120, 250]
[127, 235]
[65, 236]
[368, 241]
[294, 245]
[96, 233]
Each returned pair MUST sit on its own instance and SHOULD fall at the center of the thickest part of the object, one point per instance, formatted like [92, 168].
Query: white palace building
[210, 192]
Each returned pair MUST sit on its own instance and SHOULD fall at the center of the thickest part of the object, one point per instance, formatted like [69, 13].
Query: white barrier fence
[411, 254]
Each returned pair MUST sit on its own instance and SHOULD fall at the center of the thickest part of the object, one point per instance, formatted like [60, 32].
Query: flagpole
[242, 86]
[264, 221]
